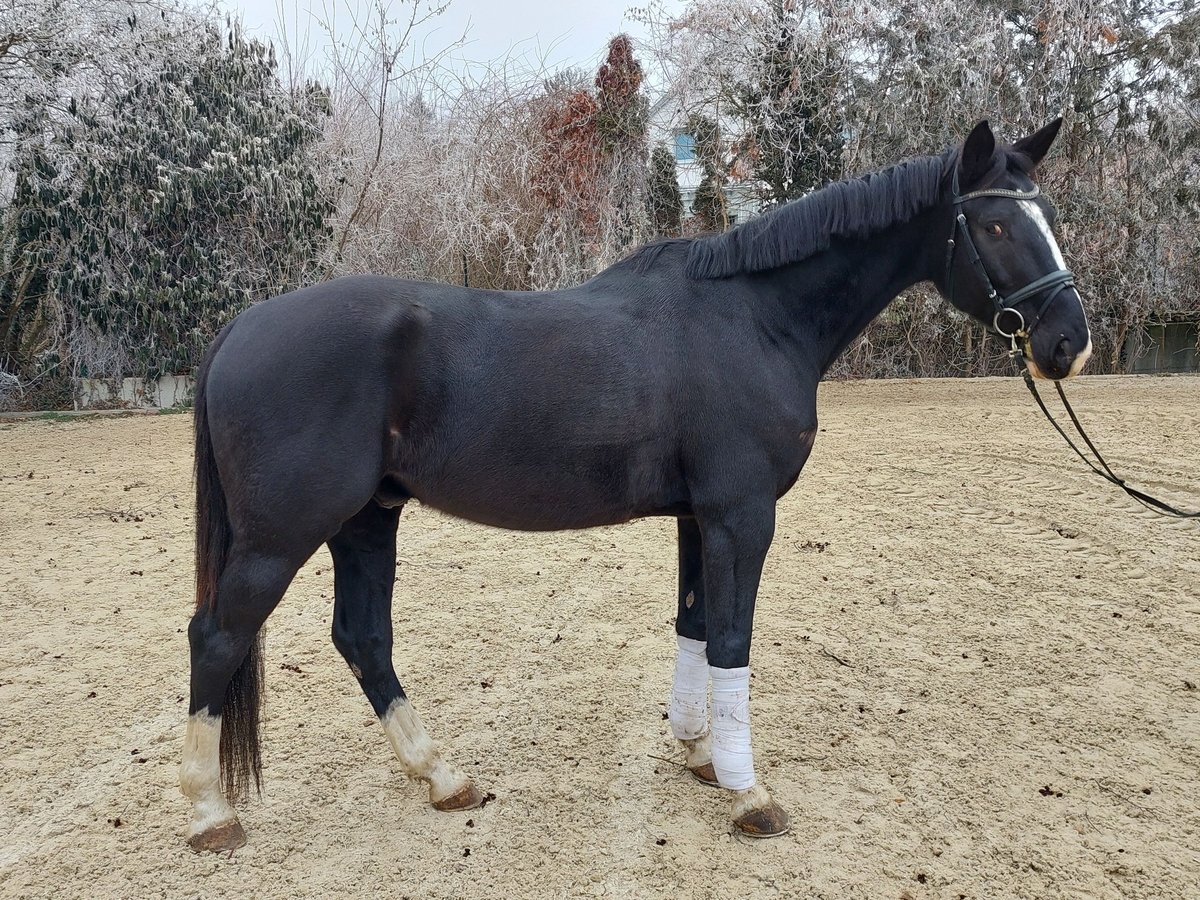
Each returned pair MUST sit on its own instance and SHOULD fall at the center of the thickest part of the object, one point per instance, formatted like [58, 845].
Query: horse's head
[1004, 267]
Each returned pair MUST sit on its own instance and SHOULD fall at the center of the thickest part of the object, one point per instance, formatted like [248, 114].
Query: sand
[976, 671]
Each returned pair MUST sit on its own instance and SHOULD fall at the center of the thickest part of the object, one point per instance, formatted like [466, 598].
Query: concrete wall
[1164, 347]
[134, 393]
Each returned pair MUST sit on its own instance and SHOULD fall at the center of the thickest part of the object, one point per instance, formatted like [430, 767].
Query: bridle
[1008, 321]
[1018, 334]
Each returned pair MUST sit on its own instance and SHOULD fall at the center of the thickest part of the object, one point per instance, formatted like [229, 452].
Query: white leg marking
[733, 759]
[697, 752]
[200, 774]
[689, 695]
[755, 797]
[416, 751]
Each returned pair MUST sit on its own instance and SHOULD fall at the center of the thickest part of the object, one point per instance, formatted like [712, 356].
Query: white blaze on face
[200, 774]
[416, 751]
[1038, 217]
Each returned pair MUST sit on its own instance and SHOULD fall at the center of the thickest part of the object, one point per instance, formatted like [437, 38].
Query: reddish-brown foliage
[620, 76]
[568, 161]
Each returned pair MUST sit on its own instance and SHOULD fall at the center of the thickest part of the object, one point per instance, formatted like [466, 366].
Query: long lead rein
[1151, 503]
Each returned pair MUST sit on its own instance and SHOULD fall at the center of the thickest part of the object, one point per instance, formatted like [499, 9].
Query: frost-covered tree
[381, 134]
[28, 314]
[710, 206]
[161, 212]
[664, 200]
[53, 55]
[566, 182]
[591, 170]
[788, 99]
[622, 118]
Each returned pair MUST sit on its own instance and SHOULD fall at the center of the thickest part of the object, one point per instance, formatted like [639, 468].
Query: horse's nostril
[1061, 362]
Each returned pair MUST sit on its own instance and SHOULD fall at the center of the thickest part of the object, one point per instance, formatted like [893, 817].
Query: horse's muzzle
[1065, 360]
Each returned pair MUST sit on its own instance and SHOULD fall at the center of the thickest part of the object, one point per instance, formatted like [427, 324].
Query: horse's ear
[1038, 144]
[977, 152]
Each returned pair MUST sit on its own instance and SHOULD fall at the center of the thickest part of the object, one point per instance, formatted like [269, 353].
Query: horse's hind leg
[688, 711]
[226, 681]
[364, 567]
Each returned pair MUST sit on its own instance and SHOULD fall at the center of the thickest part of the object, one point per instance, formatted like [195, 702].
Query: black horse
[680, 382]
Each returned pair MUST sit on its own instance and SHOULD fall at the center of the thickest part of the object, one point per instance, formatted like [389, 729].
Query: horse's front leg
[688, 710]
[735, 539]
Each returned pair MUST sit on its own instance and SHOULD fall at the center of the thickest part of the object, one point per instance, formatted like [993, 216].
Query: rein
[1103, 470]
[1018, 335]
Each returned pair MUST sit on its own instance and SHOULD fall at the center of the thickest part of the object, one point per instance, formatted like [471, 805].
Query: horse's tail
[240, 756]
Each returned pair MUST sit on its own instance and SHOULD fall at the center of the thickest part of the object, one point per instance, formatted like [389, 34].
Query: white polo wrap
[689, 696]
[733, 759]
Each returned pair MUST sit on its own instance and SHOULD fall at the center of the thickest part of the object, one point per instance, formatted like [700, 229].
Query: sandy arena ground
[976, 676]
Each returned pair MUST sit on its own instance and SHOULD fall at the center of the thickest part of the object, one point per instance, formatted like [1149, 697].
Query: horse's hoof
[764, 822]
[705, 774]
[220, 838]
[466, 797]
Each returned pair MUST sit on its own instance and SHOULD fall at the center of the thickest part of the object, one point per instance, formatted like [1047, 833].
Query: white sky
[556, 31]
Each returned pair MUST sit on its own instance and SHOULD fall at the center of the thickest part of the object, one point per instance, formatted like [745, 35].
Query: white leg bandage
[689, 696]
[733, 759]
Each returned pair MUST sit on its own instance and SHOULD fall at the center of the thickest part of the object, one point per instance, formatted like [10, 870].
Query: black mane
[795, 231]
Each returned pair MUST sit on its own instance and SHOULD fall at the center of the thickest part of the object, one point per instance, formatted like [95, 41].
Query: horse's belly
[538, 495]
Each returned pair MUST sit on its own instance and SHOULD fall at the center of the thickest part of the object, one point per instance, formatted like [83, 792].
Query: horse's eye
[995, 230]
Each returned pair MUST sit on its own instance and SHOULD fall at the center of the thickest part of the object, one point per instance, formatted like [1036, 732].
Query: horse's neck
[828, 300]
